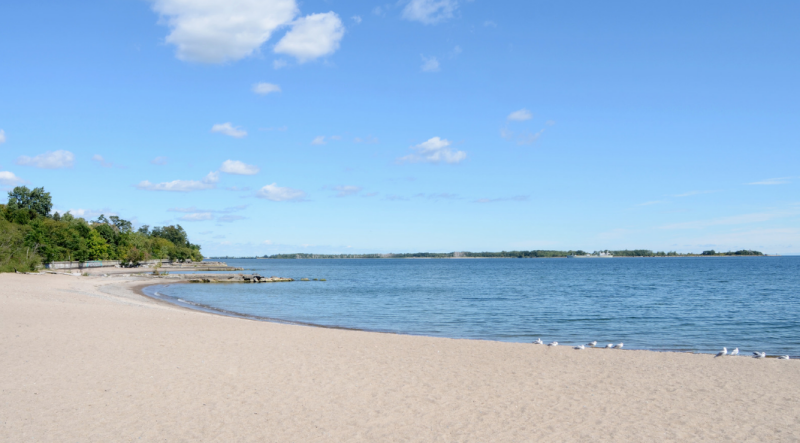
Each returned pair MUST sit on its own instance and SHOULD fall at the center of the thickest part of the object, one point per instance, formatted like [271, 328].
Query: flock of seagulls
[721, 353]
[724, 351]
[593, 344]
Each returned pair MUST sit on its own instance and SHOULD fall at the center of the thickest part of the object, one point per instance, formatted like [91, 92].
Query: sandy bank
[88, 359]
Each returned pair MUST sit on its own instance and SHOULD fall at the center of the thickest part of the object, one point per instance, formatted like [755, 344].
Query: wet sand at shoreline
[89, 359]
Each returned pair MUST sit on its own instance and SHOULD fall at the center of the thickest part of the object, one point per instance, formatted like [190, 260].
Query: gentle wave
[677, 304]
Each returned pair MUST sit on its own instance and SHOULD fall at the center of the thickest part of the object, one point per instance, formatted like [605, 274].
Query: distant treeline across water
[506, 254]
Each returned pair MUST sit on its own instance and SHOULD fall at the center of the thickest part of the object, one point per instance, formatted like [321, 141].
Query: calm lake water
[685, 304]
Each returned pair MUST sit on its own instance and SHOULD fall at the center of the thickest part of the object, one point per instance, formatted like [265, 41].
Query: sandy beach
[89, 359]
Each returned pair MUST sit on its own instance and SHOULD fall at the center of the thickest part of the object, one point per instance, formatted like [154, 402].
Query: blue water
[687, 304]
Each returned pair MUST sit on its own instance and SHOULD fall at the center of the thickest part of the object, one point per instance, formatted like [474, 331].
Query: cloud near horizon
[49, 160]
[89, 214]
[192, 209]
[198, 216]
[208, 182]
[276, 193]
[238, 168]
[228, 129]
[434, 150]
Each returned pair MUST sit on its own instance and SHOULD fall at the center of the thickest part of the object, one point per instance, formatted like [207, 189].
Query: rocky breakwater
[223, 278]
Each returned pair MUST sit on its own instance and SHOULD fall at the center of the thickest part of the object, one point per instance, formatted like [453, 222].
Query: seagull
[759, 355]
[555, 343]
[592, 344]
[579, 347]
[783, 357]
[609, 346]
[734, 352]
[724, 351]
[619, 346]
[538, 341]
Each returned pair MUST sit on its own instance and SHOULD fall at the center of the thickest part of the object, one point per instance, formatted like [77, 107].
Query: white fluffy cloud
[49, 160]
[276, 193]
[213, 31]
[312, 36]
[239, 168]
[430, 64]
[318, 140]
[429, 11]
[434, 150]
[520, 116]
[2, 136]
[265, 88]
[209, 182]
[229, 129]
[9, 179]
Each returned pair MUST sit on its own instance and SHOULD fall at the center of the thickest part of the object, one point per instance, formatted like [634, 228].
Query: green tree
[15, 255]
[37, 200]
[98, 248]
[174, 234]
[122, 226]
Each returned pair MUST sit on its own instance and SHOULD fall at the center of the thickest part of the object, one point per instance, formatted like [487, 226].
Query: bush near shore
[31, 235]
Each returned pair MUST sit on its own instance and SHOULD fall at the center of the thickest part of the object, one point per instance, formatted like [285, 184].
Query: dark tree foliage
[122, 226]
[29, 236]
[175, 234]
[37, 200]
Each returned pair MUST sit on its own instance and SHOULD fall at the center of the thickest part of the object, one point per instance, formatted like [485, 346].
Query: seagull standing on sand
[592, 344]
[759, 355]
[619, 346]
[724, 351]
[538, 341]
[608, 346]
[580, 347]
[783, 357]
[555, 343]
[734, 352]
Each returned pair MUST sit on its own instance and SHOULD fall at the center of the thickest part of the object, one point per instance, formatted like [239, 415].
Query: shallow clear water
[694, 304]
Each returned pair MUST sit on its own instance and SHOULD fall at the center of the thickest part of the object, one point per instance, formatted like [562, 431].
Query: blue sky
[424, 125]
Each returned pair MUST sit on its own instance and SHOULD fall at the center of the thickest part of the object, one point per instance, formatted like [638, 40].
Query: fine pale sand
[87, 359]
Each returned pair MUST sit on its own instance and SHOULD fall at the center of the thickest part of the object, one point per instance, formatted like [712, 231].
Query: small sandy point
[89, 359]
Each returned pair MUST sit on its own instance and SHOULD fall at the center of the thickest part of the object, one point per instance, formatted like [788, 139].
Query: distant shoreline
[481, 258]
[537, 253]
